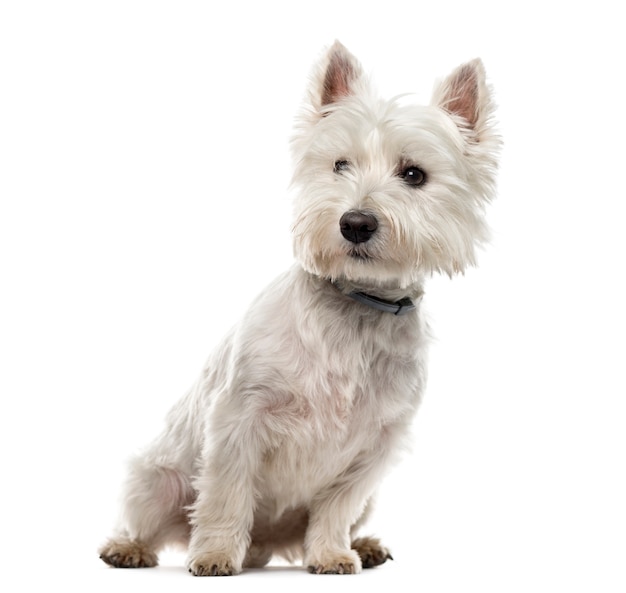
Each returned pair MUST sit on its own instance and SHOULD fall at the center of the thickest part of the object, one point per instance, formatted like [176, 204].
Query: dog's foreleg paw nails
[342, 563]
[212, 566]
[340, 568]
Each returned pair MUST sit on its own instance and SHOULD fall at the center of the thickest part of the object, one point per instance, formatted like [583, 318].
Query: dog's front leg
[223, 512]
[332, 513]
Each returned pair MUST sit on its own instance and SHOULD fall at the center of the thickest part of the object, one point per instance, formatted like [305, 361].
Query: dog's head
[389, 192]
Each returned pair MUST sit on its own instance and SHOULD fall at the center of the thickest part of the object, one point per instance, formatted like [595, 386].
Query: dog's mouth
[359, 253]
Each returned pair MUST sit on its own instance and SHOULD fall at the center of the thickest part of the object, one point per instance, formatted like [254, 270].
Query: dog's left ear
[465, 94]
[336, 77]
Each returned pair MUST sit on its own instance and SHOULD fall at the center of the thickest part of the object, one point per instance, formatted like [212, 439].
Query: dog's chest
[317, 444]
[340, 409]
[326, 382]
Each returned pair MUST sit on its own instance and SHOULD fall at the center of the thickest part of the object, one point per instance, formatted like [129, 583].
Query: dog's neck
[396, 307]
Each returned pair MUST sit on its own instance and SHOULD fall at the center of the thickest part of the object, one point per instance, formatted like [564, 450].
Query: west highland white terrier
[280, 445]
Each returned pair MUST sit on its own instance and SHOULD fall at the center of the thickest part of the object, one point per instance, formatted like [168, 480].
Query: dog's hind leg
[153, 515]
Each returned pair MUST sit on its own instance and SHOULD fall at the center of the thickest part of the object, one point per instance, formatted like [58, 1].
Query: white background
[144, 169]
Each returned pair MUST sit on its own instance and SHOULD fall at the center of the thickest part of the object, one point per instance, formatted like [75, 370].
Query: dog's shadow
[273, 570]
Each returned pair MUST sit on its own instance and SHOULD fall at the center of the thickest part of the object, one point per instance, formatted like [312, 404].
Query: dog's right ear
[335, 78]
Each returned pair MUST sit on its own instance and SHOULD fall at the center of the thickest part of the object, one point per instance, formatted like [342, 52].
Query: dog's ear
[335, 77]
[465, 94]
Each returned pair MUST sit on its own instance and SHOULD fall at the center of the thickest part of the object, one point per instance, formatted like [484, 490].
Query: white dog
[280, 445]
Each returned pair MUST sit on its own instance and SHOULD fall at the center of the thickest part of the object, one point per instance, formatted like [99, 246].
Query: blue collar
[401, 307]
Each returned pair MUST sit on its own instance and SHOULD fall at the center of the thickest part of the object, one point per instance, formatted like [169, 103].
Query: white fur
[281, 443]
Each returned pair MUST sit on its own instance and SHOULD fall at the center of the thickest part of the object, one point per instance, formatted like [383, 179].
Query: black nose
[358, 227]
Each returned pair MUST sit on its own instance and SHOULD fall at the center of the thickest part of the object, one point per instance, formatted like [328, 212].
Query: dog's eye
[341, 166]
[413, 176]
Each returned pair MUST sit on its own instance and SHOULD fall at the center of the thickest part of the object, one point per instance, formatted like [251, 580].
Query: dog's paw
[371, 552]
[211, 565]
[128, 553]
[340, 563]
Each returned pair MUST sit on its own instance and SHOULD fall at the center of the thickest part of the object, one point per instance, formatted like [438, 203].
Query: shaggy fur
[280, 445]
